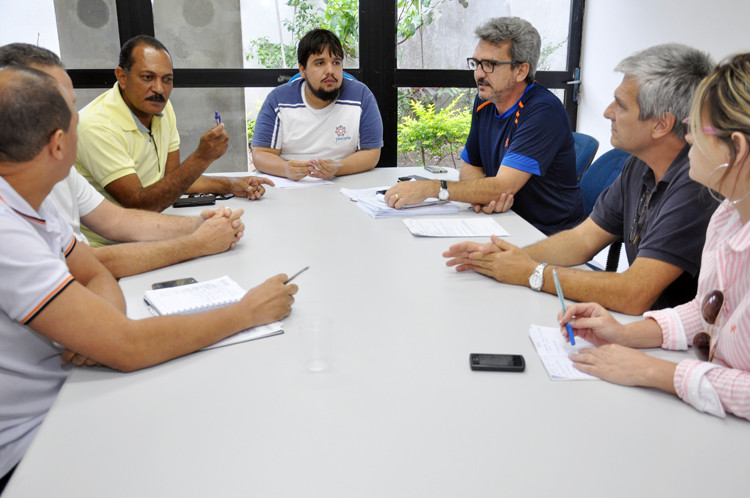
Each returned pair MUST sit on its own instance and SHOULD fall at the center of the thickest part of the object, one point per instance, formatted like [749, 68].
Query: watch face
[443, 194]
[535, 280]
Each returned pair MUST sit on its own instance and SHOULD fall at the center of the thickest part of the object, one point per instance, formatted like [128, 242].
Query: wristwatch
[536, 280]
[443, 193]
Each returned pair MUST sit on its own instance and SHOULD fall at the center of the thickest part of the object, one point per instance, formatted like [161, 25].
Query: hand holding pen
[323, 168]
[562, 303]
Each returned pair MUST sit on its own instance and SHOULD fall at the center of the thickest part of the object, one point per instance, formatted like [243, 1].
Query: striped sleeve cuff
[673, 332]
[692, 385]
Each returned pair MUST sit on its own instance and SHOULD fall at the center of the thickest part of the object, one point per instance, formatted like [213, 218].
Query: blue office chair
[600, 175]
[586, 147]
[595, 179]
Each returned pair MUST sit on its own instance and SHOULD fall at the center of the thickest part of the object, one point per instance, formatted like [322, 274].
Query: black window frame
[377, 23]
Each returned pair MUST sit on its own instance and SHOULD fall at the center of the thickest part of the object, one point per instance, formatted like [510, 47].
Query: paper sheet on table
[373, 203]
[377, 208]
[259, 332]
[553, 350]
[455, 227]
[360, 193]
[308, 181]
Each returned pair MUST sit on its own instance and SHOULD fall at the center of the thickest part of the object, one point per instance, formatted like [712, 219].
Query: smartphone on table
[435, 169]
[174, 283]
[497, 362]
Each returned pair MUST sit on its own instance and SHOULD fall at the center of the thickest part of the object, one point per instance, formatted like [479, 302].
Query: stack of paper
[554, 350]
[373, 203]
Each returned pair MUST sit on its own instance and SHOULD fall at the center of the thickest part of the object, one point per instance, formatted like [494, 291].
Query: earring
[713, 192]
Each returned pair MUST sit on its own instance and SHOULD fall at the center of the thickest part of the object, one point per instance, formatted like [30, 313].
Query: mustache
[482, 81]
[157, 97]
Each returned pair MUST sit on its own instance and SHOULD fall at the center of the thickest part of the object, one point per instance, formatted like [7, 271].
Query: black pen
[295, 275]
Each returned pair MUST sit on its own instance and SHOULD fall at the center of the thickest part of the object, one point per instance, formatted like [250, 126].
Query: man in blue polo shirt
[658, 212]
[520, 150]
[324, 123]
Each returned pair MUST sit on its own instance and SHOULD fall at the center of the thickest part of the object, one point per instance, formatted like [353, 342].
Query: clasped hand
[498, 259]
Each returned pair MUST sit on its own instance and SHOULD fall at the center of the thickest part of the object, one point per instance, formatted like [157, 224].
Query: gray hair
[525, 43]
[23, 54]
[667, 76]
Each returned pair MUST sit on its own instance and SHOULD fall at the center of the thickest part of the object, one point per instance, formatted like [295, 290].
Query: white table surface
[399, 413]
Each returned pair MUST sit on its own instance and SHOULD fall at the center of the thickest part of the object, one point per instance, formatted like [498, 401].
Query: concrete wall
[206, 34]
[197, 33]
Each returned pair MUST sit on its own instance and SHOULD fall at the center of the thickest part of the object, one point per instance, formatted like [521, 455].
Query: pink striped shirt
[725, 383]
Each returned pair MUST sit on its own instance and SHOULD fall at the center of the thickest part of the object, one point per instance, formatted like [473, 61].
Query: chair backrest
[600, 175]
[586, 147]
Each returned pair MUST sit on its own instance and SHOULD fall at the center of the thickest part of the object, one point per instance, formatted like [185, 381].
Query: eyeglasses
[707, 130]
[634, 235]
[712, 305]
[487, 65]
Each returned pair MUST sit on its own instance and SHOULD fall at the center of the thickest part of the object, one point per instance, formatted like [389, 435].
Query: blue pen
[562, 303]
[217, 117]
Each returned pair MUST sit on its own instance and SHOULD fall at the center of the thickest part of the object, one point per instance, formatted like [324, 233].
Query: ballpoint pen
[562, 303]
[295, 275]
[217, 118]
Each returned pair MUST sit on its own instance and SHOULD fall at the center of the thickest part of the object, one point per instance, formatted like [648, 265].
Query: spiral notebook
[203, 296]
[193, 298]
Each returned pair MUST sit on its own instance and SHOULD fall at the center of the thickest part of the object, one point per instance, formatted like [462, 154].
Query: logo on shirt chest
[342, 134]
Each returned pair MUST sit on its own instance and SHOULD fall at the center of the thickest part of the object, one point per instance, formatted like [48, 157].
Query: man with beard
[129, 147]
[520, 151]
[323, 123]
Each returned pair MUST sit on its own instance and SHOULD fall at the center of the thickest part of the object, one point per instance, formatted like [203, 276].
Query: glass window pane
[83, 32]
[269, 24]
[440, 34]
[254, 98]
[433, 125]
[31, 22]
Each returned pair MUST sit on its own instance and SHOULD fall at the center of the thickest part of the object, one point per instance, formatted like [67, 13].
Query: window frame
[377, 23]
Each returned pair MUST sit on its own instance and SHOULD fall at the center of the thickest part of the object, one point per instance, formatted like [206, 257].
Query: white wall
[614, 29]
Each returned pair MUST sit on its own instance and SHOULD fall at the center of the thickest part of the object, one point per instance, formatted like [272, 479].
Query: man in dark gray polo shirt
[653, 206]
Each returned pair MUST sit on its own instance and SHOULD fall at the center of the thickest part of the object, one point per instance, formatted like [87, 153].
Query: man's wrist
[536, 279]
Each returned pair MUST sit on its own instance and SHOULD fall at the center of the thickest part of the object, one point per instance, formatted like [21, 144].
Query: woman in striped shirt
[717, 322]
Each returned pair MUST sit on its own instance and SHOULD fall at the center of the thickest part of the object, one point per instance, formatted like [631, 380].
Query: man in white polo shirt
[324, 123]
[54, 294]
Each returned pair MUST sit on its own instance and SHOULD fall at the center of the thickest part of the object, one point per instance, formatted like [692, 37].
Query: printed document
[455, 227]
[373, 203]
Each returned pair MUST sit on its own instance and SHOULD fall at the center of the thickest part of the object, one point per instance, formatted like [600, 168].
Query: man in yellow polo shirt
[129, 147]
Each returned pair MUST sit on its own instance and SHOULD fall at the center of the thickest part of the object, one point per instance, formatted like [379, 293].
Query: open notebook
[203, 296]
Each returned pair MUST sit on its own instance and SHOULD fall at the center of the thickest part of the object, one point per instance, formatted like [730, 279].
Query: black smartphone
[195, 200]
[497, 362]
[411, 177]
[174, 283]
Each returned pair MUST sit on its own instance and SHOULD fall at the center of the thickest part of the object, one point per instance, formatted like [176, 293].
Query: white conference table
[399, 413]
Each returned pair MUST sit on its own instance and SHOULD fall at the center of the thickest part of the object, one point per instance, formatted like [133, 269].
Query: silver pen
[295, 275]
